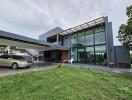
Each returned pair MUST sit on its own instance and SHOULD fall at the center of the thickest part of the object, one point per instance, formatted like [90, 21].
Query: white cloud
[33, 17]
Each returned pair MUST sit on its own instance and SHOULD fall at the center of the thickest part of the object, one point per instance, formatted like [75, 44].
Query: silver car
[14, 61]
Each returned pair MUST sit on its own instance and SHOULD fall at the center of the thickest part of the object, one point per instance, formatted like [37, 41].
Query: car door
[2, 61]
[5, 61]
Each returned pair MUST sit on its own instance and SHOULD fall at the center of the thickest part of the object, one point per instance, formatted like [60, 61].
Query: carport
[11, 39]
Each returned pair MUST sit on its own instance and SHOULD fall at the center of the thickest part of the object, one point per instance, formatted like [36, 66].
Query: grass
[67, 83]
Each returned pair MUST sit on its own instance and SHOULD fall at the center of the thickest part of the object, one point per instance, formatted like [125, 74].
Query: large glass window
[81, 39]
[74, 54]
[81, 55]
[101, 55]
[74, 40]
[89, 37]
[85, 46]
[99, 29]
[99, 35]
[90, 55]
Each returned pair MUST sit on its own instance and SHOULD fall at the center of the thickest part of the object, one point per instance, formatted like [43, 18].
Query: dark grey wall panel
[122, 55]
[52, 32]
[109, 40]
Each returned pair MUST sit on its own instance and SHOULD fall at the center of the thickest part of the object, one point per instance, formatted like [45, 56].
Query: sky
[33, 17]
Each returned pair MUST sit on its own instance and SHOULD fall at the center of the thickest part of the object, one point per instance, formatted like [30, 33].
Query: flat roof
[83, 26]
[20, 38]
[27, 40]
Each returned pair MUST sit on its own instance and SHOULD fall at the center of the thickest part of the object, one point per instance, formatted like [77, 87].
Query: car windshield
[17, 57]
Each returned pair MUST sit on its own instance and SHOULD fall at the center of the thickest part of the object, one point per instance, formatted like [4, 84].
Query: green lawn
[66, 83]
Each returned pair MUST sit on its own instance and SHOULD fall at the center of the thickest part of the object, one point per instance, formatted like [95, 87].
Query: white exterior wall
[17, 52]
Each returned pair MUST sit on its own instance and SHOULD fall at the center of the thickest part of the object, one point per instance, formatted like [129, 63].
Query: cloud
[34, 17]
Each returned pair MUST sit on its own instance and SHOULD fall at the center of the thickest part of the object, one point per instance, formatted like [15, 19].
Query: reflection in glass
[74, 40]
[74, 54]
[100, 52]
[100, 38]
[90, 55]
[89, 38]
[89, 46]
[99, 29]
[81, 55]
[100, 35]
[81, 39]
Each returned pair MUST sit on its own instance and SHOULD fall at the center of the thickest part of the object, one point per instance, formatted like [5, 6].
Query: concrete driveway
[4, 71]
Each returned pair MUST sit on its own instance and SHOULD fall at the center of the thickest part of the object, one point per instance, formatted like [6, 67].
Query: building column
[57, 38]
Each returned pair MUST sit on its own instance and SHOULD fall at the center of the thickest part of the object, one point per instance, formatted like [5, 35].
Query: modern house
[14, 44]
[90, 43]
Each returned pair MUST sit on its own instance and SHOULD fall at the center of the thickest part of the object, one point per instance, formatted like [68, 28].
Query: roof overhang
[11, 39]
[89, 24]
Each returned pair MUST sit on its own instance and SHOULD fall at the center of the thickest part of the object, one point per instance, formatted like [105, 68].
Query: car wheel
[29, 66]
[15, 66]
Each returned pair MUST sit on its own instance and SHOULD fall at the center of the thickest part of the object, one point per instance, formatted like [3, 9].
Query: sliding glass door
[90, 55]
[89, 46]
[81, 55]
[100, 53]
[74, 54]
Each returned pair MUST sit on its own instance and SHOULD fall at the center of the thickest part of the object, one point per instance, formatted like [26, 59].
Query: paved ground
[43, 66]
[104, 68]
[9, 71]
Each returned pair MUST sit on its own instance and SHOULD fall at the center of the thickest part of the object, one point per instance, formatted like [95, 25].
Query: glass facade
[81, 55]
[100, 53]
[74, 54]
[90, 55]
[74, 40]
[89, 37]
[81, 39]
[99, 35]
[89, 46]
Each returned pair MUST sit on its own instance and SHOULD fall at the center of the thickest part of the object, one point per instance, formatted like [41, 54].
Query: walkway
[104, 68]
[36, 67]
[43, 66]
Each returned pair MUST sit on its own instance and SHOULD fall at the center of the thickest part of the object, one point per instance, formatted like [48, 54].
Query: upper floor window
[81, 39]
[89, 37]
[73, 40]
[99, 29]
[100, 35]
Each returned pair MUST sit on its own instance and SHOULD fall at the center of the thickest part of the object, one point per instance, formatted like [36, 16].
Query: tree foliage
[125, 30]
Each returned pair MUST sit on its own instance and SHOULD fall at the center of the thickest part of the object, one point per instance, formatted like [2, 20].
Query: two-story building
[91, 43]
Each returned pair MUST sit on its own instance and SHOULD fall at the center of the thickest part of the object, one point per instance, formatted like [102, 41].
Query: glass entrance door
[101, 55]
[74, 54]
[81, 55]
[90, 55]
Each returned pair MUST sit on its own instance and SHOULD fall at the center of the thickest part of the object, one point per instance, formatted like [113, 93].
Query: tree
[125, 30]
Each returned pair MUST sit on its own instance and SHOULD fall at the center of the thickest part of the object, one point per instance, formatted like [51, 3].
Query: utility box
[122, 57]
